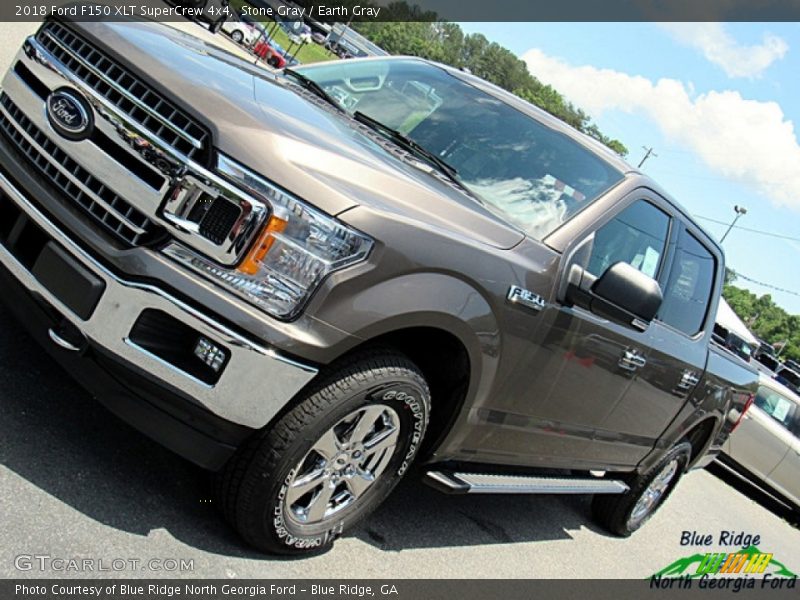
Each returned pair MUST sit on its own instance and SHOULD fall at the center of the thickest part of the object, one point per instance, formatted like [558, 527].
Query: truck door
[678, 344]
[584, 365]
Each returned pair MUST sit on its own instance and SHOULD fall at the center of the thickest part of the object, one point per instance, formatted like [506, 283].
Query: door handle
[688, 380]
[631, 360]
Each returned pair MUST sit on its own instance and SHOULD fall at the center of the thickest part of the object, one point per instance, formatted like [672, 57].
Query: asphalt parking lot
[75, 482]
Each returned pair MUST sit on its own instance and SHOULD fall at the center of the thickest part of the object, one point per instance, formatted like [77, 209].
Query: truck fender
[434, 300]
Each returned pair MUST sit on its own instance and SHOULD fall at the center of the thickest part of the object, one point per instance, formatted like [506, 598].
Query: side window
[637, 236]
[688, 292]
[776, 406]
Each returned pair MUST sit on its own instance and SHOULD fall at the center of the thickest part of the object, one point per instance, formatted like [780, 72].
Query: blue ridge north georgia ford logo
[69, 114]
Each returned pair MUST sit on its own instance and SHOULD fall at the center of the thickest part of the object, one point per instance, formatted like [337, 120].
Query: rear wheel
[237, 36]
[332, 459]
[625, 513]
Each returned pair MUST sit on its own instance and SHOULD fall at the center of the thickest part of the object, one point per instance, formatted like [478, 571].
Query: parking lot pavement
[77, 483]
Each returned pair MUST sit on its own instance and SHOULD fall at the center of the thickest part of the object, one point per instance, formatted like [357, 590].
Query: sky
[717, 102]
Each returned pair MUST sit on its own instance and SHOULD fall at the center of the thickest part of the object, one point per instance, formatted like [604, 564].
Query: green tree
[766, 319]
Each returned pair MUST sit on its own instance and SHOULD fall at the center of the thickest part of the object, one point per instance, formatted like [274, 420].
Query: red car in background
[269, 54]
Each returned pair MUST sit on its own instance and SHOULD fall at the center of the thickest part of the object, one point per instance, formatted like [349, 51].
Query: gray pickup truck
[309, 281]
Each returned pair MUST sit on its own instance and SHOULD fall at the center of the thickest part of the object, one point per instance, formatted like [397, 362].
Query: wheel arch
[445, 363]
[701, 435]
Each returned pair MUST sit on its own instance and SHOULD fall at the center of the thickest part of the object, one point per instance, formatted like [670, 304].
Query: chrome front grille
[126, 91]
[75, 182]
[133, 175]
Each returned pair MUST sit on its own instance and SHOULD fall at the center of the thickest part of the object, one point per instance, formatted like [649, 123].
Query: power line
[758, 231]
[766, 285]
[751, 230]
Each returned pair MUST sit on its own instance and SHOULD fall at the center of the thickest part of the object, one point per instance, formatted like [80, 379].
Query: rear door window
[688, 291]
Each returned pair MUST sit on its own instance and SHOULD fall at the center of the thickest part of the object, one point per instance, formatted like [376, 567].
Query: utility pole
[740, 210]
[647, 155]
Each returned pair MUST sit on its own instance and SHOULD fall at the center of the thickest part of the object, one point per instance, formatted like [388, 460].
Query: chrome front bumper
[257, 381]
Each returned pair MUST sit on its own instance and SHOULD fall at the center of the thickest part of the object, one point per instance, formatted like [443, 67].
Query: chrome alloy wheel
[342, 465]
[654, 492]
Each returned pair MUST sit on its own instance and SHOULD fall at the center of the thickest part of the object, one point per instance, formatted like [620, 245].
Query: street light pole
[740, 210]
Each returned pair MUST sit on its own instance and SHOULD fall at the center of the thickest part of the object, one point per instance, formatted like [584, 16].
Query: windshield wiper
[313, 86]
[413, 147]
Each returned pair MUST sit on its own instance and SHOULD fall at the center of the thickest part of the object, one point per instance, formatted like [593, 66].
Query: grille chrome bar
[78, 54]
[106, 207]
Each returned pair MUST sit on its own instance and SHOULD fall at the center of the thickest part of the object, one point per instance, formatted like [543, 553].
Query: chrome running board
[485, 483]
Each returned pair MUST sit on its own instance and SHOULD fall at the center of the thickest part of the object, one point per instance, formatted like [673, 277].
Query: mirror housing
[622, 294]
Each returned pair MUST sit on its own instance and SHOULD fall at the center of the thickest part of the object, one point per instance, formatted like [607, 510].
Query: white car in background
[766, 447]
[239, 31]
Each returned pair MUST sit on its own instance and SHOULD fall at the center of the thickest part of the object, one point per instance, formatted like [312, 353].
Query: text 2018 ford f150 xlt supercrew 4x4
[307, 281]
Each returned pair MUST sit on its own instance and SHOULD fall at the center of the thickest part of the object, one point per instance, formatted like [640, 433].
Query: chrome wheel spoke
[328, 445]
[303, 485]
[366, 422]
[359, 482]
[381, 441]
[319, 504]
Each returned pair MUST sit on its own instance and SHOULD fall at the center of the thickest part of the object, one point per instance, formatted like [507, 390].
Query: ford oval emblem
[69, 114]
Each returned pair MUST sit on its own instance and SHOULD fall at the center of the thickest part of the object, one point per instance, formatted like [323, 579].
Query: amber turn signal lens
[264, 242]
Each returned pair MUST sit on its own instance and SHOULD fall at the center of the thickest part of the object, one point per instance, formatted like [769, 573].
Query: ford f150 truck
[307, 281]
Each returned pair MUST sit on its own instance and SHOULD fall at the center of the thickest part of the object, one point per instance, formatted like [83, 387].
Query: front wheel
[237, 36]
[625, 513]
[332, 459]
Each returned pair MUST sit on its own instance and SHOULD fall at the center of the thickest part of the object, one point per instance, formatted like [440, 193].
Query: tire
[316, 473]
[273, 62]
[622, 514]
[237, 36]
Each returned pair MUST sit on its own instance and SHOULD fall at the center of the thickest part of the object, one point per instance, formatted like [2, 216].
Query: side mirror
[622, 294]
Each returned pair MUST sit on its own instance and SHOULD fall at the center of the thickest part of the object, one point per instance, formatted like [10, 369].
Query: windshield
[535, 177]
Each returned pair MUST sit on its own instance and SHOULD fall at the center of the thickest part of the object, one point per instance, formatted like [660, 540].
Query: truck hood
[275, 128]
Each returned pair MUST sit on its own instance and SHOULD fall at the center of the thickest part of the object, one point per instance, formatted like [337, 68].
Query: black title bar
[414, 10]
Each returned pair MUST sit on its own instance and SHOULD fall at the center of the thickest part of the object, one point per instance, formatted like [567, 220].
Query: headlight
[298, 247]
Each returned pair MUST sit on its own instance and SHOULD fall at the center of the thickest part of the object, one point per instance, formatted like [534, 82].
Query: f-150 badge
[518, 295]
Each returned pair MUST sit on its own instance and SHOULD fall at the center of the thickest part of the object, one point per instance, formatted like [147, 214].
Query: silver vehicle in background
[239, 30]
[766, 446]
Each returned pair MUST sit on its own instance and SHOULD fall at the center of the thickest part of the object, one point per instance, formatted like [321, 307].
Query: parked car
[788, 377]
[319, 38]
[769, 361]
[271, 53]
[310, 300]
[793, 365]
[766, 448]
[342, 48]
[298, 31]
[763, 369]
[764, 348]
[239, 30]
